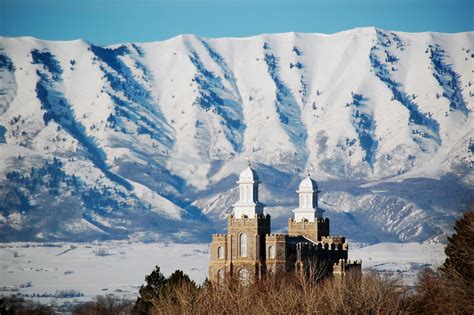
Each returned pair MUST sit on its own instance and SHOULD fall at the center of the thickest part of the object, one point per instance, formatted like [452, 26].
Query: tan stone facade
[312, 230]
[235, 256]
[276, 250]
[249, 251]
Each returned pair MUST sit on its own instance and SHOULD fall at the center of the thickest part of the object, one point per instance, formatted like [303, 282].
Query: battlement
[312, 230]
[348, 262]
[246, 221]
[307, 223]
[276, 237]
[322, 245]
[342, 266]
[219, 237]
[333, 239]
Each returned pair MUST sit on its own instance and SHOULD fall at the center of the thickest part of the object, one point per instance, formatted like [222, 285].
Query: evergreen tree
[155, 282]
[460, 250]
[160, 288]
[180, 282]
[178, 278]
[449, 290]
[458, 269]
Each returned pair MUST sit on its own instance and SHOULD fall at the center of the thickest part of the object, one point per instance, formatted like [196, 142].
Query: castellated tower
[249, 251]
[308, 218]
[277, 253]
[241, 252]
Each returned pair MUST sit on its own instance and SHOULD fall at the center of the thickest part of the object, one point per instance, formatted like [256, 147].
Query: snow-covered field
[82, 271]
[404, 259]
[60, 272]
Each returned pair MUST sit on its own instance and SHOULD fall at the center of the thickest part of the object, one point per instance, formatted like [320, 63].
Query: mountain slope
[145, 140]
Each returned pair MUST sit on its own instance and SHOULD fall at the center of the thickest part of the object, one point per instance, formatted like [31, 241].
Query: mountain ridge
[151, 132]
[362, 28]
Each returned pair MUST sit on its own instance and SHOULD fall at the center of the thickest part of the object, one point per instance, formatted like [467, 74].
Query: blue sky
[114, 21]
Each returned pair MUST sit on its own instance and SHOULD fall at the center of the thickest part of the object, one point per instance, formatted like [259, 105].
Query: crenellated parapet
[312, 230]
[276, 237]
[326, 249]
[308, 223]
[333, 239]
[246, 221]
[343, 266]
[335, 243]
[219, 237]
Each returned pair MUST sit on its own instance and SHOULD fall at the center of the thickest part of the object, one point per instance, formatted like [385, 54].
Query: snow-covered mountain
[146, 140]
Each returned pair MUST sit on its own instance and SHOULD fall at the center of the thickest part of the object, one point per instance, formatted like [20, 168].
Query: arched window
[244, 276]
[243, 245]
[220, 252]
[220, 276]
[271, 252]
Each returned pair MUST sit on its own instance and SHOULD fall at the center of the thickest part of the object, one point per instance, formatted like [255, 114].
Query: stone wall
[312, 230]
[277, 243]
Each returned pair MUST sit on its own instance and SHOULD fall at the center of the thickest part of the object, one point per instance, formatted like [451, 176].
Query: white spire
[248, 204]
[308, 200]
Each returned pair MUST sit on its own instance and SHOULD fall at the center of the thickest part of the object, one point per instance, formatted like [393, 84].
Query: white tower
[308, 201]
[248, 204]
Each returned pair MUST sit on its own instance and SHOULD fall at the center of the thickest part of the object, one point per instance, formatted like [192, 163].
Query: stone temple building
[249, 250]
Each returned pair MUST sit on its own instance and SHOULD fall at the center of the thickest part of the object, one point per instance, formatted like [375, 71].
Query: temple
[249, 250]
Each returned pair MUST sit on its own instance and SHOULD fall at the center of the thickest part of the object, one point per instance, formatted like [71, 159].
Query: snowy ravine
[144, 141]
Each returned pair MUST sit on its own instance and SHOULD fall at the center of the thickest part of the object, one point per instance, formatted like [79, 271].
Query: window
[243, 245]
[220, 252]
[271, 252]
[220, 276]
[244, 276]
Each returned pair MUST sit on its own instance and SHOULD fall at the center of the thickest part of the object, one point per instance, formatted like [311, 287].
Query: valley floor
[72, 272]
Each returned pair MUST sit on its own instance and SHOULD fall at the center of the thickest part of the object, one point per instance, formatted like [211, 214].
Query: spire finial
[248, 161]
[309, 171]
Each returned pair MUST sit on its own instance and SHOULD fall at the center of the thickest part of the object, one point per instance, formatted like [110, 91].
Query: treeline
[447, 290]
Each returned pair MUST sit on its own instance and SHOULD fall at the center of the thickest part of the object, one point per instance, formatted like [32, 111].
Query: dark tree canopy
[155, 282]
[179, 278]
[158, 287]
[460, 250]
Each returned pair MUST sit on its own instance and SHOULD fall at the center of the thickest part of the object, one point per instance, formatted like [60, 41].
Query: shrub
[286, 293]
[13, 305]
[104, 305]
